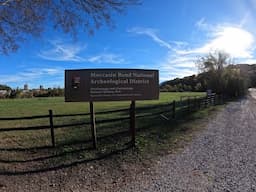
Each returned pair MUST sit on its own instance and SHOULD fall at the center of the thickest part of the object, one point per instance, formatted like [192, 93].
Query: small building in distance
[4, 93]
[26, 87]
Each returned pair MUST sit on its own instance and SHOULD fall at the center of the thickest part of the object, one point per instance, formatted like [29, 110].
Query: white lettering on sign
[112, 85]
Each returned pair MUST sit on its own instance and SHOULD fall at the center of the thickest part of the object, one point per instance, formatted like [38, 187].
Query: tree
[198, 87]
[215, 62]
[5, 87]
[213, 65]
[19, 18]
[220, 78]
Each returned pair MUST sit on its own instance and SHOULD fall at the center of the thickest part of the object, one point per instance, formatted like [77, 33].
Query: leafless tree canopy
[19, 18]
[214, 61]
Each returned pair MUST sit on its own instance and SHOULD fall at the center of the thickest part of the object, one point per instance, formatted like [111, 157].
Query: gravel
[220, 158]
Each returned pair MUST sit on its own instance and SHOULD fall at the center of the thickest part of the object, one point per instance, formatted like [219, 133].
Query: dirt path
[221, 158]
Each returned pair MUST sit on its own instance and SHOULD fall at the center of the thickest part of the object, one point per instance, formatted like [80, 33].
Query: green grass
[171, 136]
[153, 132]
[40, 106]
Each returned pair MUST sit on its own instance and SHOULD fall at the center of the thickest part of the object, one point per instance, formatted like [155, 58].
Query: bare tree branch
[20, 18]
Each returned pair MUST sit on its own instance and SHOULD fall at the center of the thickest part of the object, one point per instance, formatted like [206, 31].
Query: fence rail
[23, 118]
[24, 128]
[61, 115]
[172, 109]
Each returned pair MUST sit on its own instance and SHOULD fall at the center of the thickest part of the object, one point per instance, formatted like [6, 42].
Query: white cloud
[245, 19]
[152, 34]
[236, 41]
[180, 61]
[60, 51]
[202, 25]
[181, 56]
[248, 61]
[31, 75]
[168, 72]
[106, 58]
[174, 66]
[233, 40]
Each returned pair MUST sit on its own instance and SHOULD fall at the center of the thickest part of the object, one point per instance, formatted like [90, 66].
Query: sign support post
[92, 85]
[93, 125]
[132, 122]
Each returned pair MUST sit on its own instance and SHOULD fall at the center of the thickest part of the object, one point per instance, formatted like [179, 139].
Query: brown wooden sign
[111, 85]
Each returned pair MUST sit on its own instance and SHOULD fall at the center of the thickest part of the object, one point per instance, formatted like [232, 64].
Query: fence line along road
[182, 106]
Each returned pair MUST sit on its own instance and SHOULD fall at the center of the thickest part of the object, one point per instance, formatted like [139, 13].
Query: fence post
[194, 104]
[173, 109]
[222, 99]
[93, 125]
[188, 105]
[206, 102]
[212, 99]
[132, 122]
[52, 127]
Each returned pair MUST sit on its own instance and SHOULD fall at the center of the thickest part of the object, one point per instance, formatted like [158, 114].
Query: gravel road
[220, 158]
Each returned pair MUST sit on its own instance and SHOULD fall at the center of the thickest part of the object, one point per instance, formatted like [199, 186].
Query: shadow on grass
[59, 146]
[74, 153]
[61, 166]
[19, 161]
[47, 157]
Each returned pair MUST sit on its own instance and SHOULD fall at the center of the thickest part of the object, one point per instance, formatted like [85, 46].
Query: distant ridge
[4, 87]
[198, 82]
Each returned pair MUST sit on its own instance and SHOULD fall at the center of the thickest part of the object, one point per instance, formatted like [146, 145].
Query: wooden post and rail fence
[183, 106]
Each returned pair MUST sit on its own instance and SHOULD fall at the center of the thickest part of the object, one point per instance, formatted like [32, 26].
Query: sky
[168, 35]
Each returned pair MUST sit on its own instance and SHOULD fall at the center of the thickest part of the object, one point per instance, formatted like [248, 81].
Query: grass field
[30, 149]
[40, 106]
